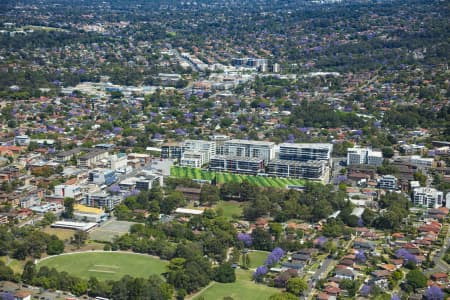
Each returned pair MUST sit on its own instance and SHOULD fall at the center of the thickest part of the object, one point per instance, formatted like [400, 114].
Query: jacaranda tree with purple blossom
[245, 238]
[274, 257]
[365, 290]
[361, 257]
[408, 258]
[259, 274]
[434, 293]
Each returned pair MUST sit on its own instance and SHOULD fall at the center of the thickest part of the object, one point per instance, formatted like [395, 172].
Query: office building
[364, 156]
[315, 170]
[305, 152]
[249, 149]
[236, 164]
[427, 197]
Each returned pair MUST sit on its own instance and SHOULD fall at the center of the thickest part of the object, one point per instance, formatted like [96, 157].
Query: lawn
[106, 265]
[230, 208]
[257, 258]
[191, 173]
[243, 289]
[14, 264]
[62, 234]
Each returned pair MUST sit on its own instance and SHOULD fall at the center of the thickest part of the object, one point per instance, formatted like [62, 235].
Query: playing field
[243, 289]
[230, 208]
[106, 265]
[191, 173]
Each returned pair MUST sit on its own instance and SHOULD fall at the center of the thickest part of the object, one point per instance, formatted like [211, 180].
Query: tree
[29, 272]
[262, 240]
[416, 279]
[6, 273]
[68, 207]
[419, 176]
[209, 194]
[388, 152]
[283, 296]
[434, 293]
[260, 272]
[296, 285]
[55, 246]
[225, 273]
[79, 238]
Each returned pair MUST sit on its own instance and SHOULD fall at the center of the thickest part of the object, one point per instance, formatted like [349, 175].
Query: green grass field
[230, 208]
[106, 265]
[257, 258]
[243, 289]
[191, 173]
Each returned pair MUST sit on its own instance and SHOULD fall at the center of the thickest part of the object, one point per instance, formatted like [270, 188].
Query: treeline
[319, 115]
[24, 242]
[414, 116]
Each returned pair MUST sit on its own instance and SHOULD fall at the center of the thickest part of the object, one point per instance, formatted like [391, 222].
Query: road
[440, 264]
[321, 272]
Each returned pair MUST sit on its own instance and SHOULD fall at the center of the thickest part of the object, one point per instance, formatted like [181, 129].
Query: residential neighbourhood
[224, 150]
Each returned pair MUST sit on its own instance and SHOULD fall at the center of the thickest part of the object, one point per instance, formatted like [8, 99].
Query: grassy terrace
[244, 288]
[192, 173]
[106, 265]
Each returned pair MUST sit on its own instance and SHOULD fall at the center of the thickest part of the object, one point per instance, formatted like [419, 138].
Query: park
[105, 265]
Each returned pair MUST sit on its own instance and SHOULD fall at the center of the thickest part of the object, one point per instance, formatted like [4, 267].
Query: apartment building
[90, 159]
[208, 147]
[388, 182]
[364, 156]
[71, 191]
[249, 149]
[305, 151]
[314, 170]
[427, 197]
[235, 164]
[194, 159]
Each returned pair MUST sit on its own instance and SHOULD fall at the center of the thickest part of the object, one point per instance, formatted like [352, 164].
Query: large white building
[305, 151]
[364, 156]
[198, 145]
[71, 191]
[421, 162]
[427, 197]
[194, 159]
[249, 149]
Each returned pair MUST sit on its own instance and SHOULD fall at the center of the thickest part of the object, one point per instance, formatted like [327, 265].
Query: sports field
[242, 289]
[192, 173]
[106, 265]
